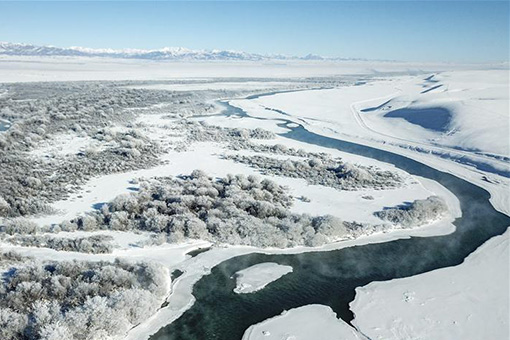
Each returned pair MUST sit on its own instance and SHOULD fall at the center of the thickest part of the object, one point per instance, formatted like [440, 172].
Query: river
[330, 277]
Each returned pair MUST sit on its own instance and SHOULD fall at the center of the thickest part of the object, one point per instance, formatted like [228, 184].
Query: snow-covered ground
[64, 144]
[347, 205]
[28, 69]
[256, 277]
[198, 85]
[476, 100]
[334, 113]
[311, 322]
[470, 301]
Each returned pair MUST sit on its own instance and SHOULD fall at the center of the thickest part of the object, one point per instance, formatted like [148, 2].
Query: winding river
[330, 277]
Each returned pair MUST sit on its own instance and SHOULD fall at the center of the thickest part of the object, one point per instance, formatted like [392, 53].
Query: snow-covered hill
[167, 53]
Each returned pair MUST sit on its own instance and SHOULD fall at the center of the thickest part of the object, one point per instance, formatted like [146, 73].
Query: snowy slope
[466, 110]
[461, 112]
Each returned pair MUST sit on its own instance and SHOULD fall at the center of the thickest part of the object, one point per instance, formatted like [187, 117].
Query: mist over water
[330, 277]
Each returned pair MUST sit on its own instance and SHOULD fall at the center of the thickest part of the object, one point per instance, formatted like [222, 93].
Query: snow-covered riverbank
[444, 304]
[470, 301]
[311, 322]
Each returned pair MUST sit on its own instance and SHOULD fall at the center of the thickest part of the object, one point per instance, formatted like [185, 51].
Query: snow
[347, 205]
[469, 301]
[311, 322]
[169, 255]
[478, 101]
[60, 68]
[245, 123]
[172, 53]
[216, 85]
[342, 204]
[420, 301]
[256, 277]
[331, 113]
[64, 144]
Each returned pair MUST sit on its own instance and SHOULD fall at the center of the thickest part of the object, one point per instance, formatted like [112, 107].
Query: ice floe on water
[256, 277]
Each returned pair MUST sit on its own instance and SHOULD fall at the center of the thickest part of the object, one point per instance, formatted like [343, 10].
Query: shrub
[415, 214]
[78, 300]
[234, 210]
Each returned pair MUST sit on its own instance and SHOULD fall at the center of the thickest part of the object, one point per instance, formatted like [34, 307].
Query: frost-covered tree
[236, 209]
[19, 225]
[78, 300]
[417, 213]
[4, 206]
[321, 169]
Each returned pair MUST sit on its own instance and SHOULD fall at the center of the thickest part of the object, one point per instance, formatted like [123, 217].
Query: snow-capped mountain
[167, 53]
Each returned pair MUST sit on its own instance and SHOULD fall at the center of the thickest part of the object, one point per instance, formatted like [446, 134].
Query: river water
[330, 277]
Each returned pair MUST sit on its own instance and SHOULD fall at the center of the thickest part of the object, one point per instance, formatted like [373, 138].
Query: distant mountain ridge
[167, 53]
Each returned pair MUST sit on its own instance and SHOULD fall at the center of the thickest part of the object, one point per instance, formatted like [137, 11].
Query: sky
[457, 31]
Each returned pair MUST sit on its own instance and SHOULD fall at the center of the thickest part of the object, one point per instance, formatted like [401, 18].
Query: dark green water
[330, 278]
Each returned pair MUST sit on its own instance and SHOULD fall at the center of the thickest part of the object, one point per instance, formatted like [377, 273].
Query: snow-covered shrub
[320, 169]
[29, 183]
[78, 300]
[329, 226]
[356, 229]
[12, 324]
[4, 206]
[415, 214]
[237, 138]
[95, 244]
[68, 226]
[19, 225]
[236, 209]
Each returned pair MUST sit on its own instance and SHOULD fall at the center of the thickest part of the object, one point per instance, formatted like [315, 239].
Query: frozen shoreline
[310, 322]
[417, 302]
[413, 307]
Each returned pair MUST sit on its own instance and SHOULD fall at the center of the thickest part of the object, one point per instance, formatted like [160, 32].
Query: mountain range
[167, 53]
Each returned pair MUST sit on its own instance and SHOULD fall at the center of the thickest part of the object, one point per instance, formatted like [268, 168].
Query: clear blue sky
[403, 30]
